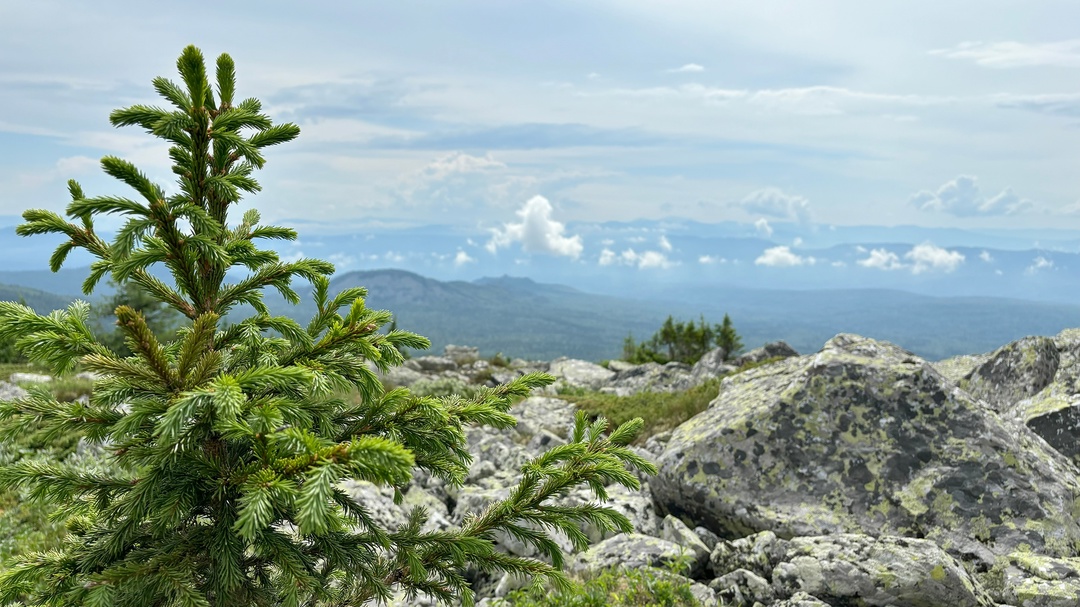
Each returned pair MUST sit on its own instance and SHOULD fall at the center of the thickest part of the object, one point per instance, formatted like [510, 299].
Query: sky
[507, 117]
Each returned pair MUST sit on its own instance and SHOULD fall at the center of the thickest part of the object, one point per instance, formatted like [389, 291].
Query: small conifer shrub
[228, 442]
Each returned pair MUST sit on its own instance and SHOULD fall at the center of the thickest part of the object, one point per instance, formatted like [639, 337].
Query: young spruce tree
[230, 441]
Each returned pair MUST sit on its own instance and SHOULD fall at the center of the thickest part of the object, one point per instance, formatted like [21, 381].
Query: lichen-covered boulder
[866, 437]
[1014, 372]
[629, 551]
[1035, 381]
[844, 569]
[1026, 579]
[580, 373]
[886, 572]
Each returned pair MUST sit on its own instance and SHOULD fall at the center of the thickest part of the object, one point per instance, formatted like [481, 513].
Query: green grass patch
[661, 411]
[612, 588]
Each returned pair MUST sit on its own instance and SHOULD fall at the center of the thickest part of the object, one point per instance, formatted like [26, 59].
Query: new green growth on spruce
[230, 441]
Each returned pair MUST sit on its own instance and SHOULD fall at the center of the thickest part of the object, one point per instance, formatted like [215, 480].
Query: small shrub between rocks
[612, 588]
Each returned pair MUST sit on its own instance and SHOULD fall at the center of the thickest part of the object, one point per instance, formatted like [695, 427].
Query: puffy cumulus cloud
[986, 256]
[782, 257]
[921, 258]
[881, 259]
[711, 259]
[773, 202]
[462, 258]
[664, 243]
[537, 232]
[630, 257]
[962, 197]
[1039, 264]
[689, 68]
[763, 228]
[1011, 54]
[927, 257]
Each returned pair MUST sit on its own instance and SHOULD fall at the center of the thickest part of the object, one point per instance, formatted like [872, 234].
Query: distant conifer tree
[227, 443]
[728, 339]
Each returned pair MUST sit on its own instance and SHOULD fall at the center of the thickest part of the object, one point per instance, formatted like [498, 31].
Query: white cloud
[797, 242]
[882, 260]
[773, 202]
[927, 257]
[1010, 54]
[665, 244]
[1039, 263]
[537, 232]
[460, 162]
[860, 249]
[921, 258]
[462, 258]
[763, 228]
[962, 197]
[630, 257]
[782, 257]
[838, 264]
[986, 256]
[711, 259]
[688, 68]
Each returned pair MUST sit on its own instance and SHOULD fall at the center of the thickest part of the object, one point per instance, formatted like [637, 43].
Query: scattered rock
[29, 378]
[580, 373]
[775, 349]
[461, 355]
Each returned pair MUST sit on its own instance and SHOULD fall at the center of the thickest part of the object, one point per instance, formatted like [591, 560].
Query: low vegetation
[661, 411]
[611, 588]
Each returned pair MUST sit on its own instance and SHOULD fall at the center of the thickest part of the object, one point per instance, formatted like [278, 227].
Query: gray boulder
[711, 365]
[431, 364]
[629, 551]
[461, 355]
[1033, 580]
[580, 373]
[649, 377]
[1035, 381]
[866, 437]
[774, 349]
[844, 569]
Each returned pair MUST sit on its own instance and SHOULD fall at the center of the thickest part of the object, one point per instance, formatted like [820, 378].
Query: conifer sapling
[227, 444]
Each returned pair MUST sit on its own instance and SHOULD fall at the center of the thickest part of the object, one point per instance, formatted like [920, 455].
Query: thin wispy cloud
[689, 68]
[643, 261]
[1012, 54]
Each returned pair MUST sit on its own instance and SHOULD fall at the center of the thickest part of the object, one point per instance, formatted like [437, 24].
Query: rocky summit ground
[859, 475]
